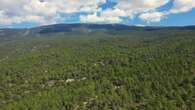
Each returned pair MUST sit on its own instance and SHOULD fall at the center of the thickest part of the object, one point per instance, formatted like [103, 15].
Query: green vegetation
[100, 70]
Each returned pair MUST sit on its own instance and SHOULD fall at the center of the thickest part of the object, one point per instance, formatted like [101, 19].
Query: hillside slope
[97, 68]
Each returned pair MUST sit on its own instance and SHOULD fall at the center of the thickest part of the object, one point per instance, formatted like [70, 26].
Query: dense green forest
[98, 70]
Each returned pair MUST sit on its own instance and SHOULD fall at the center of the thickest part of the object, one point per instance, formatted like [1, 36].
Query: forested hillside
[97, 69]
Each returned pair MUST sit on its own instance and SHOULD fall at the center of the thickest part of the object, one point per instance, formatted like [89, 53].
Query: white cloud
[152, 16]
[133, 7]
[49, 11]
[129, 8]
[179, 6]
[91, 18]
[94, 18]
[71, 6]
[106, 16]
[182, 6]
[43, 11]
[113, 13]
[140, 25]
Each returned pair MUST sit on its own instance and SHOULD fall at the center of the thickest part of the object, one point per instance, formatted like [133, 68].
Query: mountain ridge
[86, 28]
[93, 24]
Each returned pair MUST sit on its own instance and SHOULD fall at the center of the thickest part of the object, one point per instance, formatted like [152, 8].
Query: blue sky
[32, 13]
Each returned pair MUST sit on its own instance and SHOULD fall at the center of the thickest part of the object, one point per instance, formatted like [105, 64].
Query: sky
[32, 13]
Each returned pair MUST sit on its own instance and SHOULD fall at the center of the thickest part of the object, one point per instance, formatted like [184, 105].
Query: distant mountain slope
[56, 28]
[72, 27]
